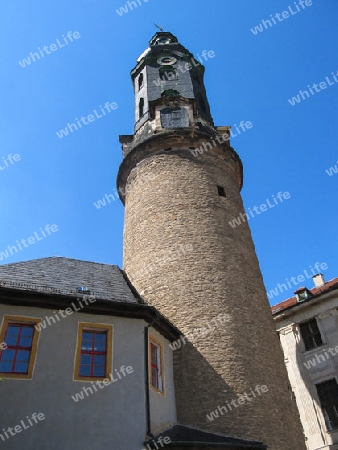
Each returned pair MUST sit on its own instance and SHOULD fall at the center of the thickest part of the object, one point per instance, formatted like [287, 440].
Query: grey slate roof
[181, 435]
[64, 275]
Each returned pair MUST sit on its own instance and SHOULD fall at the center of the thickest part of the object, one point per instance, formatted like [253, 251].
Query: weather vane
[160, 28]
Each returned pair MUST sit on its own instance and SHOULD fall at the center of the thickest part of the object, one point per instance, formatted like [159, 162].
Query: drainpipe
[146, 364]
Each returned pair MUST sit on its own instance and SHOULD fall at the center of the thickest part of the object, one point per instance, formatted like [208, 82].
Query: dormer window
[83, 290]
[303, 294]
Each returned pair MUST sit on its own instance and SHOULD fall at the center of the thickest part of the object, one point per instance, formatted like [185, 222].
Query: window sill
[314, 350]
[157, 390]
[88, 379]
[16, 376]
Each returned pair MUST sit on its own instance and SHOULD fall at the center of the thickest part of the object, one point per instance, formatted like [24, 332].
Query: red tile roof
[290, 302]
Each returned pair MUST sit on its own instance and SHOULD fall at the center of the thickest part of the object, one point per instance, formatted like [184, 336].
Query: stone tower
[180, 182]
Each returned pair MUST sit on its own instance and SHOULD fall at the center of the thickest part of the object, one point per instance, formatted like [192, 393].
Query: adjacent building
[307, 325]
[74, 333]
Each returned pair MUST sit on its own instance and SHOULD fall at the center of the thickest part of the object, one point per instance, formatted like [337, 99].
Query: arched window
[140, 81]
[141, 107]
[167, 73]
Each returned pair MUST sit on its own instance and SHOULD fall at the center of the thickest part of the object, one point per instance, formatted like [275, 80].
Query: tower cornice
[184, 143]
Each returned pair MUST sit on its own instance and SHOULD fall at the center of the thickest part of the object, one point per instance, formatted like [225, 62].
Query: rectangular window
[328, 396]
[310, 334]
[156, 365]
[93, 352]
[176, 115]
[221, 191]
[21, 337]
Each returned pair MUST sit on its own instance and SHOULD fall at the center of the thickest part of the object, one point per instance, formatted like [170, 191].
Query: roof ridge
[69, 276]
[59, 257]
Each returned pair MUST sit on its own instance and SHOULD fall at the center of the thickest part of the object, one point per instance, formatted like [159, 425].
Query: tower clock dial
[163, 41]
[166, 60]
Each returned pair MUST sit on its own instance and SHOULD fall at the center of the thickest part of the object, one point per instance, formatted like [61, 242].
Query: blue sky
[252, 76]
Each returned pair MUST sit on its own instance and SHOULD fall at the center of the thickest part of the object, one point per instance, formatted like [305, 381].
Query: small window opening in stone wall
[140, 81]
[221, 191]
[141, 107]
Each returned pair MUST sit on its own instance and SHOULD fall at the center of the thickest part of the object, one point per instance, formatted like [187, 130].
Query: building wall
[308, 368]
[102, 419]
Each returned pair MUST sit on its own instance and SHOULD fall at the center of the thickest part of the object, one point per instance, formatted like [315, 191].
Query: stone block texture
[172, 201]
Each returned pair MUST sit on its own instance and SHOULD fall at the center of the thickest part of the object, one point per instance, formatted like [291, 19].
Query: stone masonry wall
[179, 206]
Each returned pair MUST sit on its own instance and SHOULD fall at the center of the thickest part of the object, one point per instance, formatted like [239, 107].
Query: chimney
[318, 279]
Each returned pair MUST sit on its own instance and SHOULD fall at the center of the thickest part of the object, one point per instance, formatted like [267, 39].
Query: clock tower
[180, 182]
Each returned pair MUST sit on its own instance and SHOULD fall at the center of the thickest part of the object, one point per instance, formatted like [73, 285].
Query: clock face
[163, 41]
[166, 60]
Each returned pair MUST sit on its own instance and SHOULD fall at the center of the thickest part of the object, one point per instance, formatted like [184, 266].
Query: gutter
[20, 297]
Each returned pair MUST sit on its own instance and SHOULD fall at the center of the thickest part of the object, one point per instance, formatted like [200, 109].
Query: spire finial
[160, 28]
